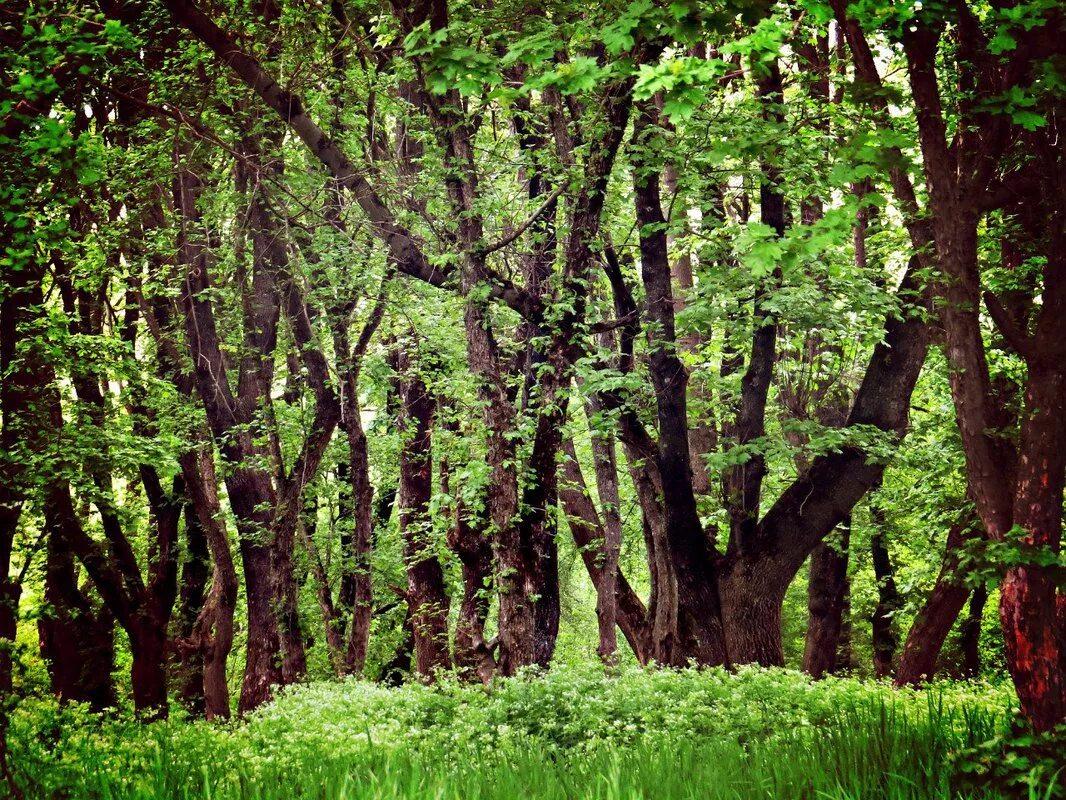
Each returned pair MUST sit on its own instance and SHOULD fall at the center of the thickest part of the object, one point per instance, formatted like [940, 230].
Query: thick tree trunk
[148, 675]
[1027, 605]
[827, 591]
[515, 607]
[472, 652]
[540, 497]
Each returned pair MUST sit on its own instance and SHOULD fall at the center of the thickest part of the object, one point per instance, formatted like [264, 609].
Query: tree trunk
[588, 533]
[606, 466]
[1027, 605]
[970, 633]
[694, 563]
[926, 638]
[427, 595]
[515, 607]
[361, 591]
[193, 593]
[148, 675]
[889, 601]
[467, 540]
[826, 595]
[212, 633]
[77, 640]
[251, 493]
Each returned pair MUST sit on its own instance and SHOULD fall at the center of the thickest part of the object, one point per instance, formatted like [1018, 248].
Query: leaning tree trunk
[936, 618]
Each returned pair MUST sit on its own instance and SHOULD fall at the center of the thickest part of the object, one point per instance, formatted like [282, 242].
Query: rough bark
[606, 469]
[468, 541]
[1015, 487]
[356, 590]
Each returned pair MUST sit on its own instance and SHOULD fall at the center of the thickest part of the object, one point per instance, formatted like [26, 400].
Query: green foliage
[1015, 763]
[572, 732]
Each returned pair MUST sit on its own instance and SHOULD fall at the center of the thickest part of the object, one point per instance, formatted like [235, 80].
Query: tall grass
[646, 735]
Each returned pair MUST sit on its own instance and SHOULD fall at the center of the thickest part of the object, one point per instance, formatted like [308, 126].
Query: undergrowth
[572, 733]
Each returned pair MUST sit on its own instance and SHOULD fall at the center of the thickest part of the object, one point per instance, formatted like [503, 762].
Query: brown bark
[426, 594]
[692, 558]
[885, 639]
[356, 590]
[606, 468]
[1015, 487]
[589, 535]
[195, 573]
[468, 541]
[827, 591]
[931, 626]
[212, 633]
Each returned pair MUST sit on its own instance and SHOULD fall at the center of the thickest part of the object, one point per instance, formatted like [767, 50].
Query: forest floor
[574, 733]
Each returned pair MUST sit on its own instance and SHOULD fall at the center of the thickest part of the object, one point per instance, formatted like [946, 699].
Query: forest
[559, 399]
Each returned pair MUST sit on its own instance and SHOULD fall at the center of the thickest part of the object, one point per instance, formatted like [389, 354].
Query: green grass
[571, 734]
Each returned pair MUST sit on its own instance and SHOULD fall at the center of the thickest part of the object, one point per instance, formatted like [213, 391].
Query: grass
[571, 734]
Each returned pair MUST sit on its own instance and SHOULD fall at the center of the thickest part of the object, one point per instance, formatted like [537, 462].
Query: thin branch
[1018, 339]
[506, 240]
